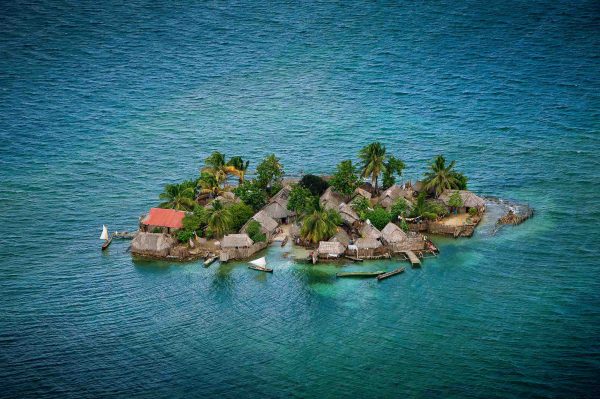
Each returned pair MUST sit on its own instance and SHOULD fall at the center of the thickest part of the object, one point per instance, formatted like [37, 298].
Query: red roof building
[169, 218]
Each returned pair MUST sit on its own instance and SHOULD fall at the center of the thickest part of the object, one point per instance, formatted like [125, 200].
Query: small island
[361, 211]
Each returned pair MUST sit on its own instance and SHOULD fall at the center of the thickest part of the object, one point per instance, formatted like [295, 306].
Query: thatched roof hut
[341, 236]
[369, 231]
[392, 234]
[152, 244]
[331, 199]
[331, 249]
[389, 197]
[362, 193]
[277, 210]
[367, 243]
[236, 241]
[469, 199]
[348, 215]
[267, 223]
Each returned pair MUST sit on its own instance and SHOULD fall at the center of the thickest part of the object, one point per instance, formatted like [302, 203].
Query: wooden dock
[359, 274]
[414, 259]
[390, 274]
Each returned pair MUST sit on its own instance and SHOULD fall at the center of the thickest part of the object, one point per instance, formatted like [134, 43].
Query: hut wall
[418, 227]
[456, 231]
[241, 253]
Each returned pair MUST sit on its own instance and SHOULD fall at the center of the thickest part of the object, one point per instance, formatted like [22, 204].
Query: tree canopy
[345, 179]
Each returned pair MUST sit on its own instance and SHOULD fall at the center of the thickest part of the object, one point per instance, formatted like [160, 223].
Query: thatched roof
[152, 244]
[367, 243]
[369, 231]
[331, 248]
[392, 194]
[469, 199]
[282, 194]
[331, 199]
[268, 223]
[236, 241]
[277, 209]
[341, 236]
[348, 214]
[393, 234]
[362, 193]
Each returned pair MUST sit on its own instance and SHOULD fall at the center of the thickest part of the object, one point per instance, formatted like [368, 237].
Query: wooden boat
[353, 259]
[359, 274]
[104, 236]
[260, 264]
[390, 274]
[285, 240]
[209, 261]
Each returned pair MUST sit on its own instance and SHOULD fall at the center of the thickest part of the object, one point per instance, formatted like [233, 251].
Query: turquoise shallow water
[100, 107]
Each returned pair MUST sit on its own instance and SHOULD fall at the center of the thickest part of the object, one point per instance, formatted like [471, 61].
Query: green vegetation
[455, 200]
[375, 162]
[196, 221]
[184, 235]
[427, 209]
[361, 206]
[238, 167]
[177, 196]
[379, 217]
[400, 208]
[301, 200]
[345, 179]
[393, 166]
[404, 225]
[441, 177]
[220, 220]
[209, 185]
[315, 184]
[269, 172]
[373, 157]
[473, 211]
[320, 225]
[254, 232]
[240, 214]
[251, 194]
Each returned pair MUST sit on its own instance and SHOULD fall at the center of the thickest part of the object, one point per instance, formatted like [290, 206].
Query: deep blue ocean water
[102, 103]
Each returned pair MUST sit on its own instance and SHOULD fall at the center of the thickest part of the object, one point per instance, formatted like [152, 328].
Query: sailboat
[260, 264]
[104, 236]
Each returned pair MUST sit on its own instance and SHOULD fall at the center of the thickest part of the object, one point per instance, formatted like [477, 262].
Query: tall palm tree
[320, 225]
[177, 196]
[216, 166]
[209, 184]
[441, 177]
[373, 157]
[220, 219]
[238, 167]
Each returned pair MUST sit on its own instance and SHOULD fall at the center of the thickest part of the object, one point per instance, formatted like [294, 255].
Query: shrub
[345, 179]
[157, 230]
[473, 211]
[301, 200]
[184, 235]
[315, 184]
[254, 232]
[404, 225]
[240, 214]
[455, 200]
[379, 217]
[362, 206]
[195, 221]
[399, 208]
[251, 194]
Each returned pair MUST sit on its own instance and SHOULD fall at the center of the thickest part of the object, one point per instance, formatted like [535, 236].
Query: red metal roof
[164, 218]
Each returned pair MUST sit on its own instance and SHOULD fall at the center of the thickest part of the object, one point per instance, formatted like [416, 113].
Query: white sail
[259, 262]
[104, 235]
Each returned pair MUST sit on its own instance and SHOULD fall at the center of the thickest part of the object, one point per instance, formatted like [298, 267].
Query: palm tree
[220, 219]
[320, 225]
[238, 167]
[373, 157]
[441, 177]
[423, 208]
[178, 196]
[216, 166]
[209, 184]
